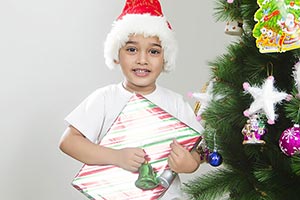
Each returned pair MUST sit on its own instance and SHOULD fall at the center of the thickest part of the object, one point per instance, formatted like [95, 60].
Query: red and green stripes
[140, 124]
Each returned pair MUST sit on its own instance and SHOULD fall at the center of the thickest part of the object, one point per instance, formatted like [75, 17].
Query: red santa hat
[141, 17]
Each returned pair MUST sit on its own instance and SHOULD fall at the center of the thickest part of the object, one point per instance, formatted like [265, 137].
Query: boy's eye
[154, 51]
[131, 49]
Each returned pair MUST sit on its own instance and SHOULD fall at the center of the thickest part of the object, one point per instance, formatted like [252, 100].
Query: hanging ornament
[214, 158]
[234, 28]
[147, 179]
[254, 129]
[289, 141]
[203, 150]
[278, 26]
[204, 99]
[264, 99]
[166, 178]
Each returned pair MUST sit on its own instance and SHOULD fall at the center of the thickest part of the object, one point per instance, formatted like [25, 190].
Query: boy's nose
[142, 58]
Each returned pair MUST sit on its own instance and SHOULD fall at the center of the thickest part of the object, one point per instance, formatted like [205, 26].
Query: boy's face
[141, 60]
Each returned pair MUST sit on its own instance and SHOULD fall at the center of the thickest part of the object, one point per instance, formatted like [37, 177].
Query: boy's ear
[116, 61]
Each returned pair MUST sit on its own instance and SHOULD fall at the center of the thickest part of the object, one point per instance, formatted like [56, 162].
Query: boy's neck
[139, 89]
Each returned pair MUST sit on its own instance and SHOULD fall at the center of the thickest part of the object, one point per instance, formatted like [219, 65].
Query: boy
[142, 43]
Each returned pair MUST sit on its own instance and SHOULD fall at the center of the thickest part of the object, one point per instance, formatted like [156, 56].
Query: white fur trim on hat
[140, 24]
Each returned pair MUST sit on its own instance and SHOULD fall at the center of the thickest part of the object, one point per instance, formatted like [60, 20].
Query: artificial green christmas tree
[255, 94]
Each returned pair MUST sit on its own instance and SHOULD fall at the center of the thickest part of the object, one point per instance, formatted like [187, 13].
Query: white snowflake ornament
[265, 98]
[204, 98]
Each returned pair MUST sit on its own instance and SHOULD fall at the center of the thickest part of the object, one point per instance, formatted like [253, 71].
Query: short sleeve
[88, 116]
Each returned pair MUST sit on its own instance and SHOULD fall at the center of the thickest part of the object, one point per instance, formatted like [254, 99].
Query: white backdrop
[51, 58]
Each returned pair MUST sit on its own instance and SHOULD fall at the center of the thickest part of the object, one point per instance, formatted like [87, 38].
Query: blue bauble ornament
[215, 159]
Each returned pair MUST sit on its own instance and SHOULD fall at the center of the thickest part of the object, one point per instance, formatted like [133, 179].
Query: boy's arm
[74, 144]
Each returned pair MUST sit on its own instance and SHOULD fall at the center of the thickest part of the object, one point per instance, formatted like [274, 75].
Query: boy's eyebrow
[130, 42]
[158, 45]
[133, 42]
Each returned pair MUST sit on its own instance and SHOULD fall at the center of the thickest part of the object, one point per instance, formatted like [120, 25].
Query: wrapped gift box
[140, 124]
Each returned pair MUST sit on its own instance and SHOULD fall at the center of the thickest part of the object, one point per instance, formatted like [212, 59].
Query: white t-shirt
[94, 116]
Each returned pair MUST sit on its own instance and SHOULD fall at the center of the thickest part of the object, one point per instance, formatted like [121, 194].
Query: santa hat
[141, 17]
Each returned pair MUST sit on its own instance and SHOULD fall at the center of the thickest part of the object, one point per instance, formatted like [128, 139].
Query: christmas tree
[252, 118]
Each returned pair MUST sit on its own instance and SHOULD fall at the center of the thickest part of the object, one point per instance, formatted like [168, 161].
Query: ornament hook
[214, 158]
[270, 69]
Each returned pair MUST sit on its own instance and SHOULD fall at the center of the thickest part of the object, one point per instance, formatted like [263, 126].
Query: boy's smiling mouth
[141, 72]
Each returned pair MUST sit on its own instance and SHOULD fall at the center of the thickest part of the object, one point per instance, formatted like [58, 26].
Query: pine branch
[211, 186]
[296, 165]
[249, 171]
[292, 108]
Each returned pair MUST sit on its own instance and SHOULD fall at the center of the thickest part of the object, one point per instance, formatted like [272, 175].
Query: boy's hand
[181, 160]
[130, 159]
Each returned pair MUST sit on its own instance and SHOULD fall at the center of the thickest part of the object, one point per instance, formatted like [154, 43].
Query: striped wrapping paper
[140, 124]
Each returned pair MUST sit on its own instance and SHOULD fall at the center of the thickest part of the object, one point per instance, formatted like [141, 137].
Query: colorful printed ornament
[289, 141]
[264, 99]
[278, 26]
[254, 129]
